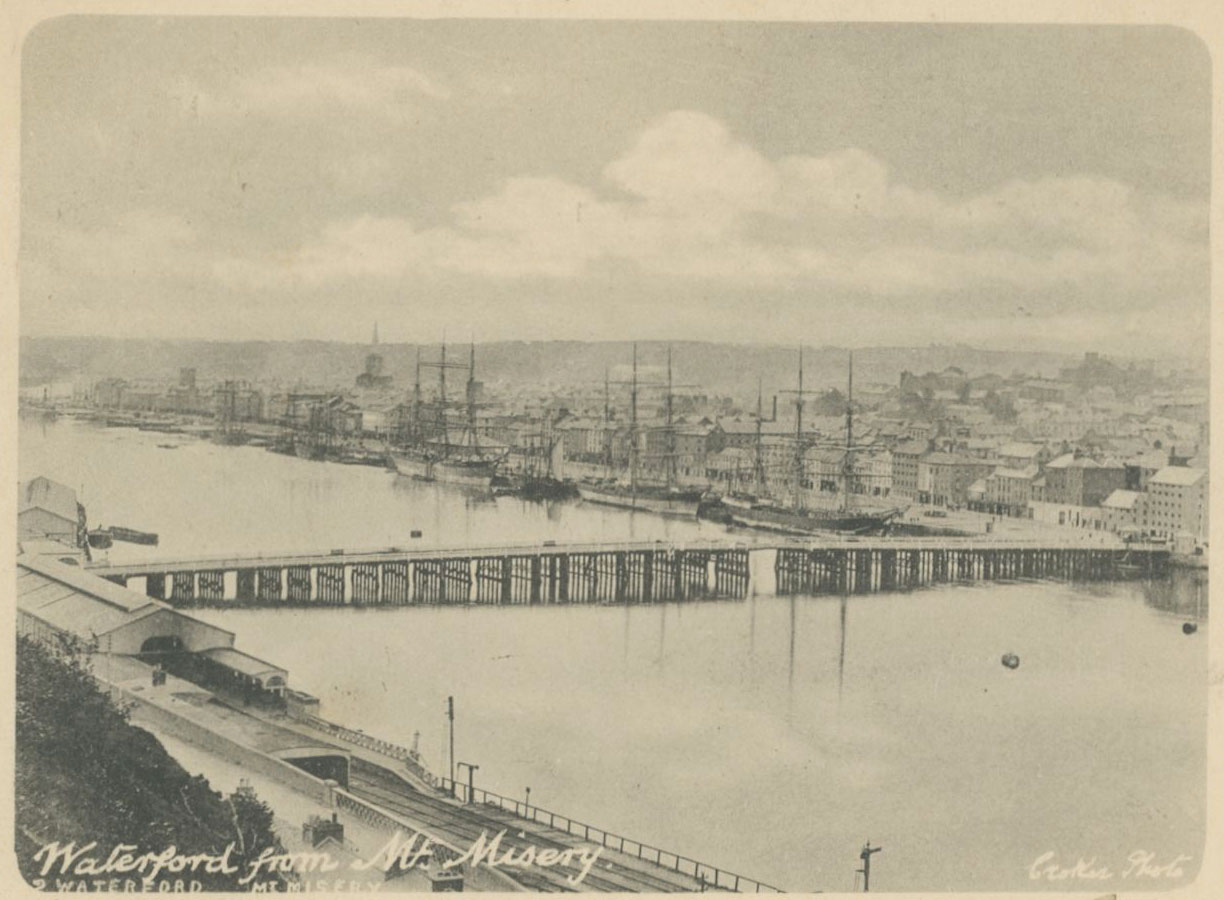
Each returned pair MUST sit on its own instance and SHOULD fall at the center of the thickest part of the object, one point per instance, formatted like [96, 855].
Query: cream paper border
[1204, 18]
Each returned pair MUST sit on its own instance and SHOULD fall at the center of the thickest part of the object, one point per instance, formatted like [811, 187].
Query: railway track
[462, 825]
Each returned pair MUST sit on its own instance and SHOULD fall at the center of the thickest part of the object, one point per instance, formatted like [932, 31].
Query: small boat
[545, 487]
[168, 446]
[131, 535]
[501, 486]
[361, 457]
[661, 499]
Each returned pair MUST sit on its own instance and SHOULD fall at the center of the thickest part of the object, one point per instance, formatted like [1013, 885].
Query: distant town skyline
[1038, 187]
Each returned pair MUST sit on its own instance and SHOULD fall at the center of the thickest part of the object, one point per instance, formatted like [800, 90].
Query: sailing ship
[535, 475]
[850, 512]
[629, 489]
[426, 450]
[230, 429]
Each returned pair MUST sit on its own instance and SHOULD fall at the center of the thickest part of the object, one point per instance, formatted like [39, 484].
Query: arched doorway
[162, 643]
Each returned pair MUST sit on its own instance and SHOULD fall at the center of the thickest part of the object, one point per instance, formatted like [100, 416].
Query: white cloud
[687, 161]
[688, 200]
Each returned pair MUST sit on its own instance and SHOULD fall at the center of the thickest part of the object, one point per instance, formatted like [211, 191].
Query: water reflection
[662, 635]
[790, 665]
[625, 638]
[750, 656]
[841, 647]
[1184, 594]
[748, 737]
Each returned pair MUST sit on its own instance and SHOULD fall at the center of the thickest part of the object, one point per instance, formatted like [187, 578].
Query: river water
[771, 736]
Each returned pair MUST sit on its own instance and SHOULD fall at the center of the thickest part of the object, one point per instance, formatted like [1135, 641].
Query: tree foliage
[84, 773]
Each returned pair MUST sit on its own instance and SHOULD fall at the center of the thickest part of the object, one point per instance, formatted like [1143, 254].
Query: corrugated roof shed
[87, 582]
[243, 662]
[43, 493]
[67, 608]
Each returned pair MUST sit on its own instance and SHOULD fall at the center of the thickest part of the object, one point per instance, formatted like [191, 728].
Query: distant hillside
[721, 368]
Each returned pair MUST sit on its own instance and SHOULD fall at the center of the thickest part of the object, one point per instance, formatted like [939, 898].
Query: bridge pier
[211, 585]
[182, 588]
[365, 589]
[731, 573]
[244, 586]
[268, 589]
[395, 585]
[563, 564]
[535, 579]
[155, 585]
[297, 584]
[330, 587]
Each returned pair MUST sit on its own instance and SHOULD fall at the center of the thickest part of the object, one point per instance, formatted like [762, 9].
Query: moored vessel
[647, 498]
[444, 469]
[425, 450]
[628, 489]
[848, 512]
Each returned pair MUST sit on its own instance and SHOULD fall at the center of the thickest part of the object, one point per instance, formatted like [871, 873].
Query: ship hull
[470, 474]
[531, 487]
[662, 504]
[815, 522]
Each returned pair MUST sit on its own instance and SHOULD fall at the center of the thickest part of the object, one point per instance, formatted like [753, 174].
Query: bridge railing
[426, 552]
[710, 876]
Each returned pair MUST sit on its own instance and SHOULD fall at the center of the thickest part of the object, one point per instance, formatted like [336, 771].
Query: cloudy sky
[239, 178]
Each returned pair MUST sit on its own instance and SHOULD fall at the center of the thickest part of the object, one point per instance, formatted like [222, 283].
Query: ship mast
[442, 365]
[848, 459]
[633, 429]
[442, 400]
[797, 499]
[671, 431]
[471, 395]
[758, 469]
[546, 447]
[607, 426]
[416, 436]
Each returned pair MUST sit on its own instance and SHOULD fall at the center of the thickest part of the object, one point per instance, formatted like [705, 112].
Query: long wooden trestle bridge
[551, 573]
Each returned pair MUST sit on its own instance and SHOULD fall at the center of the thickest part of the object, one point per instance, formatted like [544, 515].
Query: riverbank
[801, 726]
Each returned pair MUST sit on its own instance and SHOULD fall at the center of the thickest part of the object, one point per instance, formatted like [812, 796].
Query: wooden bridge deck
[402, 554]
[639, 572]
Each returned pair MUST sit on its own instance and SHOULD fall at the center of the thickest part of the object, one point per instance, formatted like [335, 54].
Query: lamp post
[471, 795]
[528, 803]
[865, 856]
[450, 716]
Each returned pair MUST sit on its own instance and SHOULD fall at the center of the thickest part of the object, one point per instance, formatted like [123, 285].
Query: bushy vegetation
[84, 773]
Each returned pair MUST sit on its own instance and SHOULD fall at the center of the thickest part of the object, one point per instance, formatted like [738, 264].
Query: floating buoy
[1011, 660]
[1189, 628]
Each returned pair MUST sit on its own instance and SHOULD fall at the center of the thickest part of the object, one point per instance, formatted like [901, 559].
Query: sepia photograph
[610, 453]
